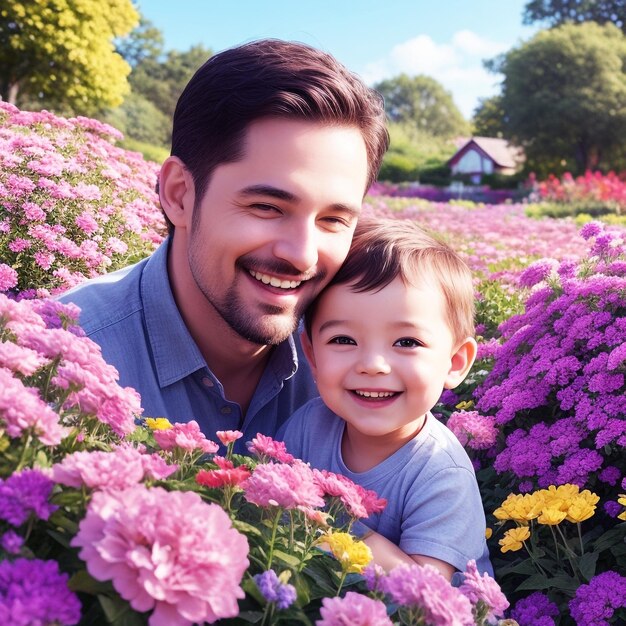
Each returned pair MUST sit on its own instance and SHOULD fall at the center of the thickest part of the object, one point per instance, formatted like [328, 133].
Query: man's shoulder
[107, 299]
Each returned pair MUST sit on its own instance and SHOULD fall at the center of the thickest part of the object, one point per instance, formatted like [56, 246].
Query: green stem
[25, 449]
[341, 581]
[556, 545]
[270, 556]
[580, 538]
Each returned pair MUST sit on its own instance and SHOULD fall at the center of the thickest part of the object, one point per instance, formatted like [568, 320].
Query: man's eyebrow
[287, 196]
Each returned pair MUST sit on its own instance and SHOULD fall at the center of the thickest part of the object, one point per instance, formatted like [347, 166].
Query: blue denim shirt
[132, 315]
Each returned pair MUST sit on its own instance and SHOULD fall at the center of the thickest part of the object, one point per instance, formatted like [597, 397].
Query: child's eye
[342, 340]
[407, 342]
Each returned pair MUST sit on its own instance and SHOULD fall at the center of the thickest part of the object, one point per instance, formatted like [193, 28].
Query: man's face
[276, 225]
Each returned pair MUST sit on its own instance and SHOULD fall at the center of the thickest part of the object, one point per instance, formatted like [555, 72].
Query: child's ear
[307, 348]
[176, 191]
[461, 362]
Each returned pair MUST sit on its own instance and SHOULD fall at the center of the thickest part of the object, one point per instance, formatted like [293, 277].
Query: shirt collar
[175, 353]
[174, 350]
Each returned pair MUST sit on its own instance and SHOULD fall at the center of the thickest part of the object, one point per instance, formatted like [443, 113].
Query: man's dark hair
[269, 79]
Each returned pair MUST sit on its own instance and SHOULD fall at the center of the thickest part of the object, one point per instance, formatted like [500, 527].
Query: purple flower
[594, 604]
[12, 543]
[535, 610]
[283, 594]
[23, 494]
[35, 592]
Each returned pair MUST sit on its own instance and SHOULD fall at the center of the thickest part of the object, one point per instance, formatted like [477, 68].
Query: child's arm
[387, 554]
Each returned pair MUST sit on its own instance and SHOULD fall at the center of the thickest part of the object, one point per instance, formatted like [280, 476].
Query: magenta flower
[228, 436]
[24, 494]
[186, 436]
[8, 277]
[226, 474]
[267, 448]
[121, 468]
[165, 551]
[353, 609]
[287, 486]
[484, 589]
[424, 588]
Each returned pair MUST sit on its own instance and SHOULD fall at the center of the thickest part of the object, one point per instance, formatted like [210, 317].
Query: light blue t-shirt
[132, 315]
[433, 502]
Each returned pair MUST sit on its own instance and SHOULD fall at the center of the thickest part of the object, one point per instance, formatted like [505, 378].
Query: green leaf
[119, 612]
[246, 528]
[541, 582]
[587, 565]
[84, 582]
[290, 559]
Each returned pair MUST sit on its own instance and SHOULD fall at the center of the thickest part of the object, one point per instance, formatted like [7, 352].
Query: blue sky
[445, 39]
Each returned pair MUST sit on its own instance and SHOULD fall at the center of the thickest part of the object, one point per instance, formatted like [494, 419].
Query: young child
[388, 334]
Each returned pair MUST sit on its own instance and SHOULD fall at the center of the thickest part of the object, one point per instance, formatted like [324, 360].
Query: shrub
[72, 204]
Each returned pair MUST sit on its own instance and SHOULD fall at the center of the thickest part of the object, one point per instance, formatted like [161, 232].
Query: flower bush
[72, 204]
[108, 517]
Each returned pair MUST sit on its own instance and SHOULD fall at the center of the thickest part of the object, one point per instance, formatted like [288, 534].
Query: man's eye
[264, 207]
[407, 342]
[343, 341]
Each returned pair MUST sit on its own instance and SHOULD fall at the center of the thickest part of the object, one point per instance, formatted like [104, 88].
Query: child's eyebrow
[331, 324]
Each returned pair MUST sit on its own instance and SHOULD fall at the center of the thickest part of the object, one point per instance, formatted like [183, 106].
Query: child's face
[381, 359]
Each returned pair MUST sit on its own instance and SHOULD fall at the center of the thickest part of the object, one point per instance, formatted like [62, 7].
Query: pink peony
[267, 448]
[287, 486]
[483, 588]
[186, 436]
[165, 551]
[473, 430]
[123, 467]
[427, 589]
[353, 609]
[8, 277]
[359, 502]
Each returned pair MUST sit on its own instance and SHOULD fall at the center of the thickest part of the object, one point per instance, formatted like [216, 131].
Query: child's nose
[374, 364]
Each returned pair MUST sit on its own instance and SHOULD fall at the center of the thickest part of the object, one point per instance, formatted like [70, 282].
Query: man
[274, 145]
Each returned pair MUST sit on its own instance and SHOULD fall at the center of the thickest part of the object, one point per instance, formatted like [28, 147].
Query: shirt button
[207, 382]
[226, 410]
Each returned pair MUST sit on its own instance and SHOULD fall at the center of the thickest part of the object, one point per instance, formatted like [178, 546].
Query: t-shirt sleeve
[444, 518]
[293, 432]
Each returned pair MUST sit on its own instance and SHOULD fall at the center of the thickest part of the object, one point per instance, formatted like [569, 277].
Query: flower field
[92, 491]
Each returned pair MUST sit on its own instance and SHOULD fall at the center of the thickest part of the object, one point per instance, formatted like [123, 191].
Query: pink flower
[359, 502]
[226, 475]
[123, 467]
[483, 588]
[473, 430]
[287, 486]
[353, 609]
[186, 436]
[8, 277]
[266, 447]
[228, 436]
[425, 588]
[19, 359]
[165, 551]
[22, 409]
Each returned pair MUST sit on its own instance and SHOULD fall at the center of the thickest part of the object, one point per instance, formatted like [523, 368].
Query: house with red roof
[478, 156]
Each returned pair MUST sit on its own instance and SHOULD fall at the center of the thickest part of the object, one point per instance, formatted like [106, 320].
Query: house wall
[473, 162]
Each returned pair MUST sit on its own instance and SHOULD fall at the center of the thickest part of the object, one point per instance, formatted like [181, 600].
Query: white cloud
[457, 65]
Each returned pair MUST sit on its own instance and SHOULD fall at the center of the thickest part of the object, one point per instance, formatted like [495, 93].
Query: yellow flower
[513, 539]
[520, 508]
[551, 516]
[353, 555]
[158, 423]
[582, 507]
[488, 533]
[622, 501]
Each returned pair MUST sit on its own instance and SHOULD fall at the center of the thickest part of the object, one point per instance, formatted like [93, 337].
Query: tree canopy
[555, 12]
[564, 96]
[61, 53]
[422, 102]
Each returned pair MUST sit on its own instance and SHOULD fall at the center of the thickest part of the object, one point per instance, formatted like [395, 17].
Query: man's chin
[269, 332]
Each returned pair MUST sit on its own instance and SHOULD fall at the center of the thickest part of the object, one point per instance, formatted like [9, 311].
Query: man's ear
[461, 362]
[176, 191]
[307, 348]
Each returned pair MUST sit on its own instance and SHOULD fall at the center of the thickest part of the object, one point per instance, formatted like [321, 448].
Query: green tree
[60, 53]
[564, 97]
[422, 102]
[556, 12]
[489, 118]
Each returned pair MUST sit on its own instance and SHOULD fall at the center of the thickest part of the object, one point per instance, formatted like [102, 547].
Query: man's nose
[298, 245]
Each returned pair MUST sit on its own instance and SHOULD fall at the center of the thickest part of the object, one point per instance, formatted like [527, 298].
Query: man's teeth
[266, 279]
[375, 394]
